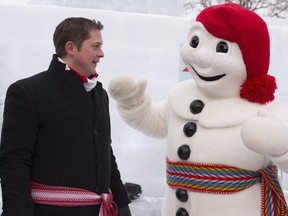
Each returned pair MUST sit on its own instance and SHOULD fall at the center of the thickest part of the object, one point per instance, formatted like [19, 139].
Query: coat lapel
[72, 86]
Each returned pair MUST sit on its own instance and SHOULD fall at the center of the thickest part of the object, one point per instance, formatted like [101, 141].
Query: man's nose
[100, 53]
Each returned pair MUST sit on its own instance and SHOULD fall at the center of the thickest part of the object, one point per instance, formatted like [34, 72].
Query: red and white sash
[72, 197]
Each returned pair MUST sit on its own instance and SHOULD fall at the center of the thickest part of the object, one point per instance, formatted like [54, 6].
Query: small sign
[184, 73]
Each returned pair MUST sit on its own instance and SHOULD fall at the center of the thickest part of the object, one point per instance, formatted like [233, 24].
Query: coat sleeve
[17, 145]
[119, 192]
[117, 187]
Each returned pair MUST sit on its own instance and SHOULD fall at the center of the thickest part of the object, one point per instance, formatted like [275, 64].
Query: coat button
[196, 106]
[181, 195]
[189, 129]
[182, 212]
[184, 152]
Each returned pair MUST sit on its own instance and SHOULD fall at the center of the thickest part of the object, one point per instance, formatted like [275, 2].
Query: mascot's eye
[222, 47]
[194, 42]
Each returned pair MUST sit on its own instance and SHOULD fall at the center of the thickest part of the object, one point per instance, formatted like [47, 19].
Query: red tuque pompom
[259, 89]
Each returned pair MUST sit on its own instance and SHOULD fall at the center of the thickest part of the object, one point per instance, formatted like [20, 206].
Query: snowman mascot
[226, 133]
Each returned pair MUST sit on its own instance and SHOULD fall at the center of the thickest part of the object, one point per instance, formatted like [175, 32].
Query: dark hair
[75, 29]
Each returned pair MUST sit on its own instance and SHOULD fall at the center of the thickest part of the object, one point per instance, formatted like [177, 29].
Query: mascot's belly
[222, 145]
[212, 133]
[216, 146]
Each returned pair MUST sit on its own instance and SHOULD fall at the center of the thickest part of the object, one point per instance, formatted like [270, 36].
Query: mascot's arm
[267, 134]
[135, 106]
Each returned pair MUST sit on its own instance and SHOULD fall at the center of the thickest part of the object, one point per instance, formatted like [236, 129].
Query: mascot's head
[237, 24]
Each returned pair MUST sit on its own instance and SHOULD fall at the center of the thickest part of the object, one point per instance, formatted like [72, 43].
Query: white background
[144, 45]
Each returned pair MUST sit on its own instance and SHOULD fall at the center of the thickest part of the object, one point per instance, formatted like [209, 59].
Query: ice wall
[163, 7]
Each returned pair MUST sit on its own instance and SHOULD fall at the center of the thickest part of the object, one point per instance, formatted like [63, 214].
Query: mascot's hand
[127, 91]
[265, 135]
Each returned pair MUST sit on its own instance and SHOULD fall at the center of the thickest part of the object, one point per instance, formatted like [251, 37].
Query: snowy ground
[143, 45]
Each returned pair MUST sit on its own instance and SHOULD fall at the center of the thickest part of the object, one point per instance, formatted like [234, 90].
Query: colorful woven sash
[222, 179]
[72, 197]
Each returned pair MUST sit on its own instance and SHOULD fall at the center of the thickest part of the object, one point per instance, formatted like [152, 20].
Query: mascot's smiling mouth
[209, 79]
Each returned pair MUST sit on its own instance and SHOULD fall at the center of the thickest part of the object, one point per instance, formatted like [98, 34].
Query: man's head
[75, 29]
[78, 41]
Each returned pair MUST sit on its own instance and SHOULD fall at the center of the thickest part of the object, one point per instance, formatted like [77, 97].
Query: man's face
[88, 55]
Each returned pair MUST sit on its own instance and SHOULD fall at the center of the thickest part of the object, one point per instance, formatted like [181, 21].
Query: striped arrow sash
[72, 197]
[223, 179]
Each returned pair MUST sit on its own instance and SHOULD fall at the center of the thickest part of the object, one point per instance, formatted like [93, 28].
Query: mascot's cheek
[265, 135]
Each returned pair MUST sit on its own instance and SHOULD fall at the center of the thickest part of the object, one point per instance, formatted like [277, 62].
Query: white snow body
[230, 130]
[216, 141]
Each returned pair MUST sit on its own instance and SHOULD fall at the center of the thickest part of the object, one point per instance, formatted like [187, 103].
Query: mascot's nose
[203, 58]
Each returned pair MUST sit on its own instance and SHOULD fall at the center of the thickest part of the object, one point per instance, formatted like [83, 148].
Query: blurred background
[141, 37]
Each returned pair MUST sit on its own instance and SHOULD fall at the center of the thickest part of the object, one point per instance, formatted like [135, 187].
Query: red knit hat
[235, 23]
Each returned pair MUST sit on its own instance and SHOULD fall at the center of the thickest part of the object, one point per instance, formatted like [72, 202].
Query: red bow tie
[83, 78]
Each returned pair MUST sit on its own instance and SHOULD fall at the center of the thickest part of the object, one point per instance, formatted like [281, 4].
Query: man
[55, 154]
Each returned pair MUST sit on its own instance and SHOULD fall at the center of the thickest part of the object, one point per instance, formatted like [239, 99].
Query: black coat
[55, 133]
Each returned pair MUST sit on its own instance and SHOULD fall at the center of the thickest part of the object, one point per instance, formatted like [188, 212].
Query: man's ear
[71, 48]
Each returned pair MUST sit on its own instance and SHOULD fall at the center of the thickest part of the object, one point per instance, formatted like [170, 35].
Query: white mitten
[264, 135]
[127, 91]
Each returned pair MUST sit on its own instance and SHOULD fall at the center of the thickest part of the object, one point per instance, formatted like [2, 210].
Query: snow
[164, 7]
[14, 2]
[144, 45]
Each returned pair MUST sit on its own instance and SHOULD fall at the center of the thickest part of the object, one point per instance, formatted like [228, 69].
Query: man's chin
[92, 73]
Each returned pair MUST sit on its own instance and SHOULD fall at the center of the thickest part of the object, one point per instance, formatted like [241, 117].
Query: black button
[196, 106]
[182, 212]
[189, 129]
[184, 152]
[181, 195]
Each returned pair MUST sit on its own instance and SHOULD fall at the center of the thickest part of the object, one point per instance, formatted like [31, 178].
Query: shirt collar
[89, 83]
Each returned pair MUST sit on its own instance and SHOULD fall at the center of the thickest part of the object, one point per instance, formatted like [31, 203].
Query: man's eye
[194, 41]
[96, 46]
[222, 47]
